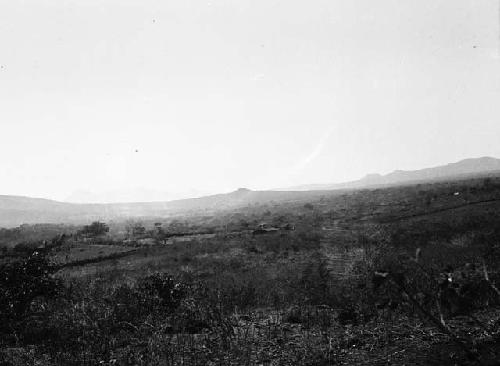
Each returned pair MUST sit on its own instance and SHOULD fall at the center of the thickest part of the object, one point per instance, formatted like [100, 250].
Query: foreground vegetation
[403, 275]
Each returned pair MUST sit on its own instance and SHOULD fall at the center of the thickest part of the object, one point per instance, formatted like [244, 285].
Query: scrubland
[400, 276]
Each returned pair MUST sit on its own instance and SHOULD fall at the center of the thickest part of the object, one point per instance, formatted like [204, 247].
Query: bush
[23, 282]
[95, 229]
[163, 289]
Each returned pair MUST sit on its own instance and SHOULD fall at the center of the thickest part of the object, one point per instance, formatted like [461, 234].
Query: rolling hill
[17, 210]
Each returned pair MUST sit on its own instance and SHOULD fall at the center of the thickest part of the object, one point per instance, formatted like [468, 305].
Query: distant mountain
[462, 169]
[131, 195]
[15, 210]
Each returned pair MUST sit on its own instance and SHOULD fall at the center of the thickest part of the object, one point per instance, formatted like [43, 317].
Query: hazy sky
[115, 95]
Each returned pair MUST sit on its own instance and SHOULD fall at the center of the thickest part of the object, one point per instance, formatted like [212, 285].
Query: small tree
[95, 229]
[160, 234]
[138, 230]
[309, 206]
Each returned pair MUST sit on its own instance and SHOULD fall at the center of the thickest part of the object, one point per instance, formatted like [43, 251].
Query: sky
[107, 99]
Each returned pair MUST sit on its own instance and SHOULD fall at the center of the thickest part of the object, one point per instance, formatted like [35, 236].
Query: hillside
[16, 210]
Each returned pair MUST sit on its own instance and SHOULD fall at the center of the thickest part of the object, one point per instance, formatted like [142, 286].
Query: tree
[95, 229]
[138, 230]
[159, 233]
[309, 206]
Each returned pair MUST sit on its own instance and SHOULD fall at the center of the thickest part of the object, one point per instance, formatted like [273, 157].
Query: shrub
[95, 229]
[163, 289]
[21, 283]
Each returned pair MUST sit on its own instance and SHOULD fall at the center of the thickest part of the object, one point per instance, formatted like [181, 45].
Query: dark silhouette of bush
[21, 283]
[164, 290]
[95, 229]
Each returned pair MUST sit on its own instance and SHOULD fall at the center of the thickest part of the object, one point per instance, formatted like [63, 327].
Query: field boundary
[83, 262]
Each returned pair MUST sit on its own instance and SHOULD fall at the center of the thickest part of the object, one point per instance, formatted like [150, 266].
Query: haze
[190, 97]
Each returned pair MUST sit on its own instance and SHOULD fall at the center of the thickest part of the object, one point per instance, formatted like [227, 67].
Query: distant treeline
[26, 234]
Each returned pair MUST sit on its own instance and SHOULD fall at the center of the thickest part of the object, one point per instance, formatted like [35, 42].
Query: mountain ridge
[17, 210]
[460, 169]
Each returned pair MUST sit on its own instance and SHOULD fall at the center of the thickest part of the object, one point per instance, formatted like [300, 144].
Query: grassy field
[402, 275]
